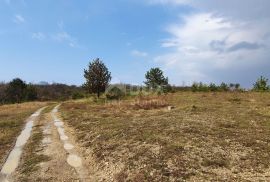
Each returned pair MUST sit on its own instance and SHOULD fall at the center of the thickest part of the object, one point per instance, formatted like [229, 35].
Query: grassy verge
[207, 136]
[12, 120]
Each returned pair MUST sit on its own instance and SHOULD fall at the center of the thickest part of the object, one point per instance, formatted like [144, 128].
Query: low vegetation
[12, 120]
[207, 136]
[223, 87]
[261, 84]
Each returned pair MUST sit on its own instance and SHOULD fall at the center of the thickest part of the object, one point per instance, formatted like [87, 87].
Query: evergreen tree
[155, 79]
[16, 91]
[97, 77]
[261, 84]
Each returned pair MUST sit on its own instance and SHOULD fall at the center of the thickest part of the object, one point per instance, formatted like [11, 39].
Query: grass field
[207, 136]
[12, 120]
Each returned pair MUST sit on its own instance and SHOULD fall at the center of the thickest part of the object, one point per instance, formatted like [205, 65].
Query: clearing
[204, 137]
[207, 136]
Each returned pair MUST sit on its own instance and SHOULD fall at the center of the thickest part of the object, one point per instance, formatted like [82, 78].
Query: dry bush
[141, 102]
[151, 102]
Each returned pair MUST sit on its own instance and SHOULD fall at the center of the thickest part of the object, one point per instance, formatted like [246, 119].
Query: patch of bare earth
[206, 137]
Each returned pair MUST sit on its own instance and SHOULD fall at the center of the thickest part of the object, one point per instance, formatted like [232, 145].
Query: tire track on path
[73, 158]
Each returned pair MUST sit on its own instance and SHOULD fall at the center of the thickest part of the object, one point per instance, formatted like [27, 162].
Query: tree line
[17, 91]
[98, 78]
[212, 87]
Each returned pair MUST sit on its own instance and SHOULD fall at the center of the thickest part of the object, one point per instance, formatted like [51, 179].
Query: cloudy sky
[191, 40]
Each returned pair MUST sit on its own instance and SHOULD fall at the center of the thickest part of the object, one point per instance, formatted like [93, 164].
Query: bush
[213, 87]
[31, 93]
[199, 87]
[168, 88]
[224, 87]
[151, 102]
[195, 87]
[115, 93]
[77, 95]
[261, 84]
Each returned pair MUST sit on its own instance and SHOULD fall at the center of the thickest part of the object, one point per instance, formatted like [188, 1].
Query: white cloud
[62, 36]
[18, 19]
[139, 53]
[220, 41]
[240, 9]
[66, 38]
[38, 36]
[204, 44]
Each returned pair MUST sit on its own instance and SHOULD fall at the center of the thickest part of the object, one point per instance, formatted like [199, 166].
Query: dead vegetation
[141, 102]
[208, 136]
[12, 120]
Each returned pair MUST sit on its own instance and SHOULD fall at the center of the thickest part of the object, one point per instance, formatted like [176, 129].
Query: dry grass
[12, 120]
[208, 136]
[142, 102]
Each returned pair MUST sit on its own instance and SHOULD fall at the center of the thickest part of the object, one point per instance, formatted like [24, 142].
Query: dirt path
[64, 151]
[13, 159]
[57, 144]
[51, 154]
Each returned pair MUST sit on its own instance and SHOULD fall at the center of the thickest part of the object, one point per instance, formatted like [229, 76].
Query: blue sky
[53, 40]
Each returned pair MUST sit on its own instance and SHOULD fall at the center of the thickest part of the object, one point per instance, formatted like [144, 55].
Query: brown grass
[12, 120]
[142, 102]
[207, 137]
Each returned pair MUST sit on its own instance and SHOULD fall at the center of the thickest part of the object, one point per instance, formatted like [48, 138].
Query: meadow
[216, 136]
[182, 136]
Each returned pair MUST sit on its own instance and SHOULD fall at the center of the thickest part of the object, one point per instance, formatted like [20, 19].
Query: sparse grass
[32, 154]
[208, 136]
[32, 159]
[12, 120]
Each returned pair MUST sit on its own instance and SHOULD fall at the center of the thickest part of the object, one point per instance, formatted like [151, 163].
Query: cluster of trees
[98, 78]
[201, 87]
[58, 91]
[18, 91]
[260, 85]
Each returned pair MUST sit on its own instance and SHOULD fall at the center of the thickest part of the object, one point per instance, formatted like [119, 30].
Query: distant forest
[19, 91]
[97, 84]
